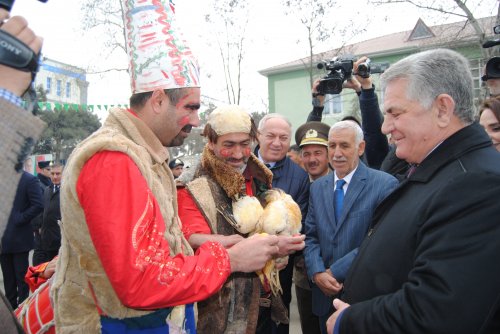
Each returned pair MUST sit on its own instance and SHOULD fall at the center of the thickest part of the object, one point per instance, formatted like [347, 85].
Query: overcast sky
[271, 38]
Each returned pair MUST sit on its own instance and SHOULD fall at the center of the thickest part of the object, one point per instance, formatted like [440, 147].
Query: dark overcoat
[50, 231]
[430, 261]
[18, 236]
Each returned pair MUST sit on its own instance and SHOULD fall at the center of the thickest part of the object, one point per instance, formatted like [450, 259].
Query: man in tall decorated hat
[221, 205]
[124, 264]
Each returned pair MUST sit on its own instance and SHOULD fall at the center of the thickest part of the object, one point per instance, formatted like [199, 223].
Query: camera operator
[491, 76]
[19, 129]
[377, 146]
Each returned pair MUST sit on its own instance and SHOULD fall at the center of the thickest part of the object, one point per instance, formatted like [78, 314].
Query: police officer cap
[174, 163]
[43, 164]
[312, 133]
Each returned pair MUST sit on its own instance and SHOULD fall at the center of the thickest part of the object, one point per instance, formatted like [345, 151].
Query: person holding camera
[19, 130]
[491, 76]
[377, 146]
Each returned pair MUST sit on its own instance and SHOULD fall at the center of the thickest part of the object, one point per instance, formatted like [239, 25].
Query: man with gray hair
[275, 134]
[430, 261]
[333, 236]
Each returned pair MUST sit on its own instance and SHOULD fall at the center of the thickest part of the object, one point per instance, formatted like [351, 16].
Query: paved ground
[294, 315]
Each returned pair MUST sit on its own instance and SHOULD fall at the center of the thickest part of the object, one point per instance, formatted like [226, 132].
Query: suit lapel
[354, 189]
[328, 200]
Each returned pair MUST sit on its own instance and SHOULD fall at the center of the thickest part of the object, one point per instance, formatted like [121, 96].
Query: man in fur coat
[124, 265]
[228, 171]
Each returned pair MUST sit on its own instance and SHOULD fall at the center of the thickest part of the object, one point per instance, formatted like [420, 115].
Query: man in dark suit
[17, 240]
[336, 227]
[275, 134]
[50, 233]
[430, 261]
[44, 176]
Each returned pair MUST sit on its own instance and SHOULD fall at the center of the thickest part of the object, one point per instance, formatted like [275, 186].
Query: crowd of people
[398, 210]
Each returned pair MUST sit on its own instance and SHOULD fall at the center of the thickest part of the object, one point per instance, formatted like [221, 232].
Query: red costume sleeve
[33, 278]
[192, 219]
[127, 228]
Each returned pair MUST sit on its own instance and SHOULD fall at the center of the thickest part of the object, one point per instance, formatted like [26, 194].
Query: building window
[49, 85]
[476, 67]
[68, 89]
[333, 104]
[58, 88]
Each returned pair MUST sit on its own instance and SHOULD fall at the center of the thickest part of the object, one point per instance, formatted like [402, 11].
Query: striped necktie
[338, 199]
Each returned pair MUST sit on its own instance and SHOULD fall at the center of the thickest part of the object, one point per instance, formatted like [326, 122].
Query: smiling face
[233, 148]
[492, 126]
[315, 160]
[413, 128]
[343, 151]
[274, 139]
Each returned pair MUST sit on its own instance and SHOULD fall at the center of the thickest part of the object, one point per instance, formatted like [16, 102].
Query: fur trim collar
[231, 181]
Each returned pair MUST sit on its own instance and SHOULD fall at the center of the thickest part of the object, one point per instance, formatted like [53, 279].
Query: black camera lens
[364, 70]
[332, 84]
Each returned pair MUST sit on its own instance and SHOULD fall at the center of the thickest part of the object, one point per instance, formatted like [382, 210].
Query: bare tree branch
[418, 5]
[463, 9]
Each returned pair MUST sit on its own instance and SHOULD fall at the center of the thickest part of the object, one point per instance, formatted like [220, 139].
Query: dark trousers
[308, 321]
[14, 268]
[322, 322]
[265, 324]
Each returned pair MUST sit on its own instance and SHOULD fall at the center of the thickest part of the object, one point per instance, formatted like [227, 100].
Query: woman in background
[489, 118]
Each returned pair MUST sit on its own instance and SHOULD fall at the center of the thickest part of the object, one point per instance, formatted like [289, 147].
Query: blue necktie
[339, 199]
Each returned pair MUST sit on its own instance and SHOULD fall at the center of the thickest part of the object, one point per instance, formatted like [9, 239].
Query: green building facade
[289, 87]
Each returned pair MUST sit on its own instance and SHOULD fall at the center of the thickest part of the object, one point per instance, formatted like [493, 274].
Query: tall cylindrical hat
[158, 56]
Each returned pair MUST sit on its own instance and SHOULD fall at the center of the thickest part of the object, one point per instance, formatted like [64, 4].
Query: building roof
[421, 37]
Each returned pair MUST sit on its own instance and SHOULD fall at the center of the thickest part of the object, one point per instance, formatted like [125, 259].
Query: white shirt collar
[271, 164]
[347, 178]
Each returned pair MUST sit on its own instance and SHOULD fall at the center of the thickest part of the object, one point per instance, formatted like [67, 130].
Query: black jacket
[50, 232]
[18, 236]
[44, 181]
[36, 223]
[430, 261]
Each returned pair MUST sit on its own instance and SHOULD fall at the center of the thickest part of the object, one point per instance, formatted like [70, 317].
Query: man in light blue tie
[340, 210]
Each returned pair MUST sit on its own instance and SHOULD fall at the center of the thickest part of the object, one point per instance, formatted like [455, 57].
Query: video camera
[493, 64]
[7, 4]
[341, 69]
[16, 54]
